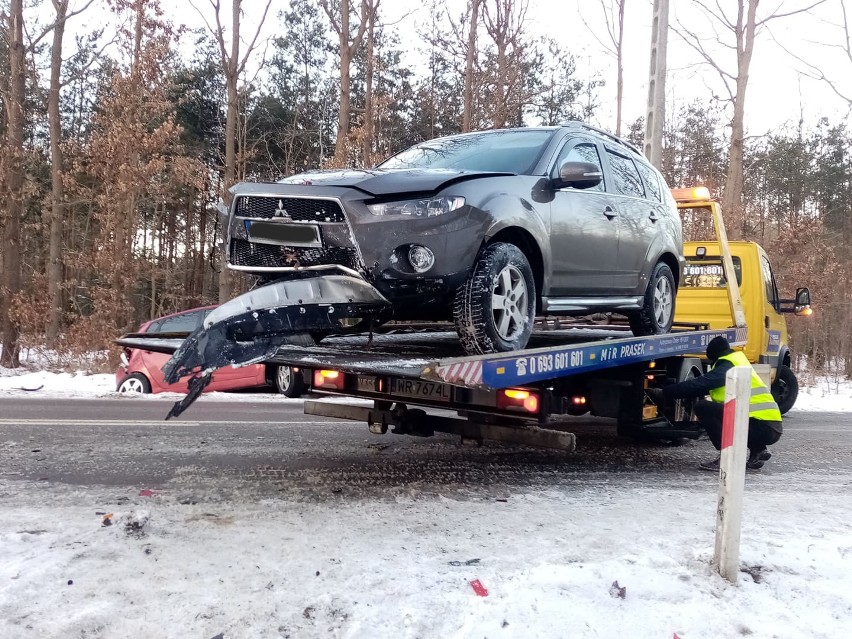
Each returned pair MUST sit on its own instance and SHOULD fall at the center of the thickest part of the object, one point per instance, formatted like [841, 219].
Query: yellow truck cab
[703, 298]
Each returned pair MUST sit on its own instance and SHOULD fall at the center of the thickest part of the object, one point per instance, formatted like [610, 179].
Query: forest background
[121, 128]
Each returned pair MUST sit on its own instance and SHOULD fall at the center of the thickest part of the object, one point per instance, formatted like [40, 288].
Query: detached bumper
[250, 328]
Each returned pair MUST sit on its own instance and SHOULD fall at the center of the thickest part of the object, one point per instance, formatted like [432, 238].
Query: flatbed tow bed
[517, 397]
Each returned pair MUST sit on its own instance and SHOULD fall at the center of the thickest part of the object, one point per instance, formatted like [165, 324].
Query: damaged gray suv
[487, 229]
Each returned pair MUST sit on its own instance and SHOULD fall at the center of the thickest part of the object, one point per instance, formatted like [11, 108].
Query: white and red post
[732, 466]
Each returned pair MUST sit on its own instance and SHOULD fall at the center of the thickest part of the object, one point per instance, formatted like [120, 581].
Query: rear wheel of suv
[494, 310]
[657, 313]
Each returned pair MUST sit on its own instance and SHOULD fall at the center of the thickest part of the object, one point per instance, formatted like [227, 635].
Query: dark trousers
[761, 433]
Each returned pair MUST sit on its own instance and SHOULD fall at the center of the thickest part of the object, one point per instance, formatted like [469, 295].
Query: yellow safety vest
[761, 403]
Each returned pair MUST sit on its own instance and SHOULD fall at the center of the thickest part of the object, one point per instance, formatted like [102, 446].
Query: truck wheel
[657, 312]
[287, 382]
[494, 310]
[134, 383]
[785, 388]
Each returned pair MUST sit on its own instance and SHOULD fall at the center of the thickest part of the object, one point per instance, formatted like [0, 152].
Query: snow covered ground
[218, 557]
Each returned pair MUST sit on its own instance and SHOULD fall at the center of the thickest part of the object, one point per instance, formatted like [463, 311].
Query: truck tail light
[518, 399]
[329, 379]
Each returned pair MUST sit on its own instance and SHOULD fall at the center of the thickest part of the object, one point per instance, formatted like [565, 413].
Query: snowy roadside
[830, 395]
[175, 566]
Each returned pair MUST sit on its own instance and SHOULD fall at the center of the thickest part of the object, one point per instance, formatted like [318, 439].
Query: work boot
[756, 458]
[710, 464]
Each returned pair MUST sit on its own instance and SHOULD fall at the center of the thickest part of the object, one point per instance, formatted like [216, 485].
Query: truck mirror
[801, 305]
[803, 301]
[580, 175]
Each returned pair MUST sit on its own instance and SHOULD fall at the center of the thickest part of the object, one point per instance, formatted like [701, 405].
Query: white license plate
[284, 234]
[419, 389]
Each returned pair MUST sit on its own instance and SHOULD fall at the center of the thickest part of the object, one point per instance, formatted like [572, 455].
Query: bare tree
[843, 45]
[57, 168]
[470, 59]
[613, 13]
[13, 164]
[339, 13]
[233, 66]
[741, 31]
[504, 22]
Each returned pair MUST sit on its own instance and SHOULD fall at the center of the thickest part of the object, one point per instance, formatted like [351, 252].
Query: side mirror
[801, 305]
[579, 175]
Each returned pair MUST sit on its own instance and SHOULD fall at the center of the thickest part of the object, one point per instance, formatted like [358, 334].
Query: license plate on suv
[284, 234]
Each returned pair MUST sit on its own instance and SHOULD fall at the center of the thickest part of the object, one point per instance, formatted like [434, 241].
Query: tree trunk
[467, 115]
[57, 170]
[367, 146]
[230, 144]
[15, 181]
[345, 86]
[732, 199]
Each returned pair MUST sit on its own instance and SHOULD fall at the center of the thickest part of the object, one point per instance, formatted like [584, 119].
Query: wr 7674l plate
[419, 389]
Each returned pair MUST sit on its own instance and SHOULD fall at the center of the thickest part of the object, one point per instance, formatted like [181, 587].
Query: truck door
[583, 230]
[774, 324]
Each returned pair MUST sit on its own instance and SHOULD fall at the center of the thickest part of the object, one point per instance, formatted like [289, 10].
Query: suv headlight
[429, 207]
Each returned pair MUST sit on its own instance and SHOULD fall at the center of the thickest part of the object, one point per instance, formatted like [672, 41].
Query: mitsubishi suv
[487, 229]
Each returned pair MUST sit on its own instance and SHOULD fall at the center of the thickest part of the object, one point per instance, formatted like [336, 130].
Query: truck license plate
[419, 389]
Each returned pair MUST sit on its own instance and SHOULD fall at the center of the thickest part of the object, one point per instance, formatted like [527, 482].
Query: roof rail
[577, 124]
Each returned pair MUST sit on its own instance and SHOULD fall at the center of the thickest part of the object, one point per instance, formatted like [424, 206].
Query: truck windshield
[708, 272]
[494, 151]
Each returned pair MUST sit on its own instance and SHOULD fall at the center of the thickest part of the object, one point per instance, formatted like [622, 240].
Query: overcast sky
[777, 94]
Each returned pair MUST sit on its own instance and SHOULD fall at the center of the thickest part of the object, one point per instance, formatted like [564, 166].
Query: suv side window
[580, 152]
[649, 176]
[626, 177]
[183, 323]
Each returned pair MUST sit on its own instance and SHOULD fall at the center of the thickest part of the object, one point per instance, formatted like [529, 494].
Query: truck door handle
[609, 212]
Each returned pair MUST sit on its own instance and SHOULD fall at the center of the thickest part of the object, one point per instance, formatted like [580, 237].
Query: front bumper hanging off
[250, 328]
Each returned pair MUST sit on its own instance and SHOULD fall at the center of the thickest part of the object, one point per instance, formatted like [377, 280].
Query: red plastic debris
[478, 588]
[145, 492]
[676, 636]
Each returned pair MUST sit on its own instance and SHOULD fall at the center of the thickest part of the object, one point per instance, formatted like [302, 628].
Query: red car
[141, 371]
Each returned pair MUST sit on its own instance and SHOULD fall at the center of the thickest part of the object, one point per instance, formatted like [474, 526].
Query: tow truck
[417, 381]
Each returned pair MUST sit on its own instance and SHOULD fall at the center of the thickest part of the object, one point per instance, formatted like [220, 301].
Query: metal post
[655, 116]
[726, 556]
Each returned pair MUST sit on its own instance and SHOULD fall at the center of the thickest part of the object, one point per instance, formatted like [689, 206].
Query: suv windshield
[497, 151]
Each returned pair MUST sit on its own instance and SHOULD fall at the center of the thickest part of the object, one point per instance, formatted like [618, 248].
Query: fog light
[421, 258]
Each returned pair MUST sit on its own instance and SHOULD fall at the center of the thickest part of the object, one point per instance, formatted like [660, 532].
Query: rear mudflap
[250, 328]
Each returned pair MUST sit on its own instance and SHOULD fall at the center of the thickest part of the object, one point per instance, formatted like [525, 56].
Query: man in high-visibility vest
[764, 418]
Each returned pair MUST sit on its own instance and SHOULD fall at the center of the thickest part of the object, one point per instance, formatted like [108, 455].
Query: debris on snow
[478, 588]
[616, 591]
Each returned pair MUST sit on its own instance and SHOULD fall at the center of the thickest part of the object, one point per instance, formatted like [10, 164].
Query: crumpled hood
[387, 181]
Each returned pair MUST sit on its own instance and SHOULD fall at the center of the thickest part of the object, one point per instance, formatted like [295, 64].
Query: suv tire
[657, 313]
[494, 310]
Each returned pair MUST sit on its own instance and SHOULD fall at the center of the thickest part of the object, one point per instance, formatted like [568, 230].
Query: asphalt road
[271, 448]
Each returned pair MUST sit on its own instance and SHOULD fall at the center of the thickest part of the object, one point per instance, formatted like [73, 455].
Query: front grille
[244, 253]
[297, 209]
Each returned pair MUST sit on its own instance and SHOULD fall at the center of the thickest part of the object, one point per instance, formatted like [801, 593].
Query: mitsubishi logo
[280, 211]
